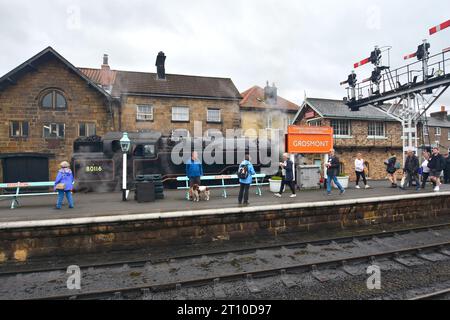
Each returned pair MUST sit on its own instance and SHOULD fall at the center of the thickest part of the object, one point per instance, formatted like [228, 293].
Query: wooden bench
[19, 186]
[259, 178]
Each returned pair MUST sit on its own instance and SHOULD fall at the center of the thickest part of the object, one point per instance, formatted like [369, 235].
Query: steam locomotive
[97, 162]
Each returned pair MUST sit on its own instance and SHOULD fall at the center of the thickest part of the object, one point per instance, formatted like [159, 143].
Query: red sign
[310, 115]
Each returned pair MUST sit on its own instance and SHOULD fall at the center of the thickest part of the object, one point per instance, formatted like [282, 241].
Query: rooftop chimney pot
[105, 59]
[160, 65]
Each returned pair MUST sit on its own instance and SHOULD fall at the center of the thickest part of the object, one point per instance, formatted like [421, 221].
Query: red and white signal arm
[440, 27]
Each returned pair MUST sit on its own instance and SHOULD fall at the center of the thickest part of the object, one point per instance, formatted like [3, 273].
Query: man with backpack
[245, 174]
[333, 166]
[436, 165]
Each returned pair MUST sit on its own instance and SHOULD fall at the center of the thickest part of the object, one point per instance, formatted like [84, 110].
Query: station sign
[309, 140]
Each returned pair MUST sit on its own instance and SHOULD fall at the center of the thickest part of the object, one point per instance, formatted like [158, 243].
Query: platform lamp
[125, 144]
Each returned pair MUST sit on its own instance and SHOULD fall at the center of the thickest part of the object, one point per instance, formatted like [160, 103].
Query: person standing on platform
[436, 165]
[411, 170]
[64, 185]
[333, 167]
[359, 169]
[391, 168]
[194, 169]
[425, 169]
[245, 174]
[287, 167]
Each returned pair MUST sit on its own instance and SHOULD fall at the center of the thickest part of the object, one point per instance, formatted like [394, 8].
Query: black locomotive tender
[97, 161]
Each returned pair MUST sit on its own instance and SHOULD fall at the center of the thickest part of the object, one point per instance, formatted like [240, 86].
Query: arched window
[53, 99]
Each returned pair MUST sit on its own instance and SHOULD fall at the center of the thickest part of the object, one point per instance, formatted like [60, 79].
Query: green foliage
[276, 178]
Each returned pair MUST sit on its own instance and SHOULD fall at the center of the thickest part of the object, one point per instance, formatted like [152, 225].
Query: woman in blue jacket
[246, 173]
[64, 185]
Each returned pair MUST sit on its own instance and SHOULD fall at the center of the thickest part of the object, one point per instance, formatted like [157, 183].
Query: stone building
[167, 102]
[264, 109]
[435, 130]
[46, 103]
[368, 131]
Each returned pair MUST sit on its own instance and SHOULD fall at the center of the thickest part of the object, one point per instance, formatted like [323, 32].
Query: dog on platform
[199, 192]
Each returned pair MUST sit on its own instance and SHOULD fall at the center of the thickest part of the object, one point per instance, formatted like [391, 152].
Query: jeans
[336, 182]
[425, 176]
[194, 180]
[243, 193]
[361, 175]
[410, 177]
[61, 198]
[291, 185]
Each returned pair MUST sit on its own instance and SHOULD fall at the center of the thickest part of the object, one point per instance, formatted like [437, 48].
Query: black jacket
[437, 163]
[391, 165]
[333, 170]
[411, 165]
[289, 176]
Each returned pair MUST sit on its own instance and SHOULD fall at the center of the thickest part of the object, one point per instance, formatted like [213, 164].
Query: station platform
[102, 223]
[89, 205]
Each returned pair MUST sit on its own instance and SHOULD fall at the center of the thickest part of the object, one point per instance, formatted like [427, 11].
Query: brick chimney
[270, 94]
[441, 115]
[106, 75]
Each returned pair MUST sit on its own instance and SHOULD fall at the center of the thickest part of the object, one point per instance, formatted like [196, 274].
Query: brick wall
[21, 102]
[374, 151]
[162, 114]
[29, 243]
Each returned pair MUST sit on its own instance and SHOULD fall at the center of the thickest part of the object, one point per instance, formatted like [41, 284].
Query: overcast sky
[300, 45]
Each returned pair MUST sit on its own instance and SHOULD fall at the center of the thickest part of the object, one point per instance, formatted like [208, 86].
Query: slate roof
[130, 82]
[32, 64]
[337, 109]
[254, 98]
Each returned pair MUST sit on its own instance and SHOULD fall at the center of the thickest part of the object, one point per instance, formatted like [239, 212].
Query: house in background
[264, 109]
[435, 130]
[367, 131]
[47, 103]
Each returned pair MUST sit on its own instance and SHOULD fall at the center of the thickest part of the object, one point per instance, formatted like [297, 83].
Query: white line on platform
[180, 214]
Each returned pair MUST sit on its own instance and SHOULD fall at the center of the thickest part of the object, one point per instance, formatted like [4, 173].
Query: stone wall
[21, 102]
[162, 114]
[22, 244]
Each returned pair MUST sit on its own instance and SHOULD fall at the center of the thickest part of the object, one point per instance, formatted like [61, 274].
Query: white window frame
[21, 134]
[340, 126]
[88, 126]
[54, 127]
[315, 122]
[214, 115]
[448, 134]
[146, 115]
[178, 116]
[437, 131]
[375, 130]
[269, 121]
[425, 130]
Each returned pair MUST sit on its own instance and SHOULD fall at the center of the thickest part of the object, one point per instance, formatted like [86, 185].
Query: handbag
[61, 186]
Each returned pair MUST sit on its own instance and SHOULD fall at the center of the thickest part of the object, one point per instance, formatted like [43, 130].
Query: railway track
[344, 264]
[433, 296]
[302, 244]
